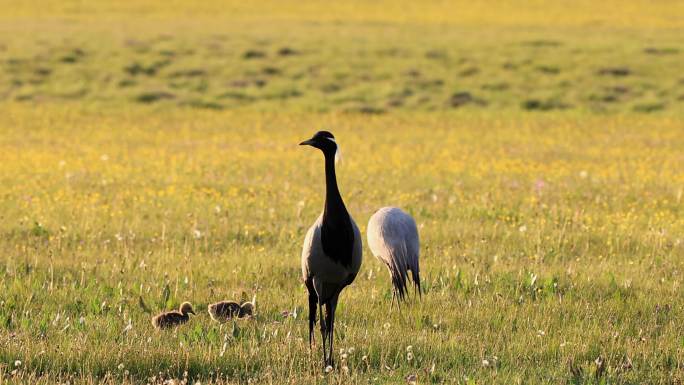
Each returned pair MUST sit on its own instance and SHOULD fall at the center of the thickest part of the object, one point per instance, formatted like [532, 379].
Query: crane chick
[247, 308]
[393, 239]
[224, 311]
[173, 318]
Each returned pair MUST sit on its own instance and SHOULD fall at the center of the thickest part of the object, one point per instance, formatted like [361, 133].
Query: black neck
[334, 206]
[337, 234]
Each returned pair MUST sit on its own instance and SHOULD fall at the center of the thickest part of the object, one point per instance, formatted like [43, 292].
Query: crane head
[324, 141]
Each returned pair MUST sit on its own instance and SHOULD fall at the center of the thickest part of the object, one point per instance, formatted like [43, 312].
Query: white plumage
[393, 239]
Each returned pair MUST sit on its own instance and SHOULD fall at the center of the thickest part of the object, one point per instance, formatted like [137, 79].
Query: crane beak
[309, 142]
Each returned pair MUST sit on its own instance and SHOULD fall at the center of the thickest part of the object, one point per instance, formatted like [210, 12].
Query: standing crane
[331, 256]
[393, 239]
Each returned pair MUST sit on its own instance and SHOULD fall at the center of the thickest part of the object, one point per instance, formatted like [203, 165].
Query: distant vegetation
[346, 66]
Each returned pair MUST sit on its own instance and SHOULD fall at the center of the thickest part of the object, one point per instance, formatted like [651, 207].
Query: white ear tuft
[338, 155]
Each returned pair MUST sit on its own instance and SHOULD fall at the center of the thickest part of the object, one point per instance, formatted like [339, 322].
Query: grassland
[148, 156]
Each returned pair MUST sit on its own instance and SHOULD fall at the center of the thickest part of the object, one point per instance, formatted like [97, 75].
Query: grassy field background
[149, 156]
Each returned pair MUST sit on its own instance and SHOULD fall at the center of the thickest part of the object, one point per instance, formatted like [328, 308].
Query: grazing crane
[331, 256]
[173, 318]
[393, 239]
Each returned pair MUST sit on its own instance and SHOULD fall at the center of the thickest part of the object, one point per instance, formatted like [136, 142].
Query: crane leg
[329, 317]
[395, 297]
[313, 303]
[323, 333]
[332, 309]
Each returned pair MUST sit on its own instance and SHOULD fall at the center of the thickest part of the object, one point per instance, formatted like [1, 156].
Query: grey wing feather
[393, 239]
[309, 249]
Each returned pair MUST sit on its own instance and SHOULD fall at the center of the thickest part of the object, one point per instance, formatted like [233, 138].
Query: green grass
[149, 158]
